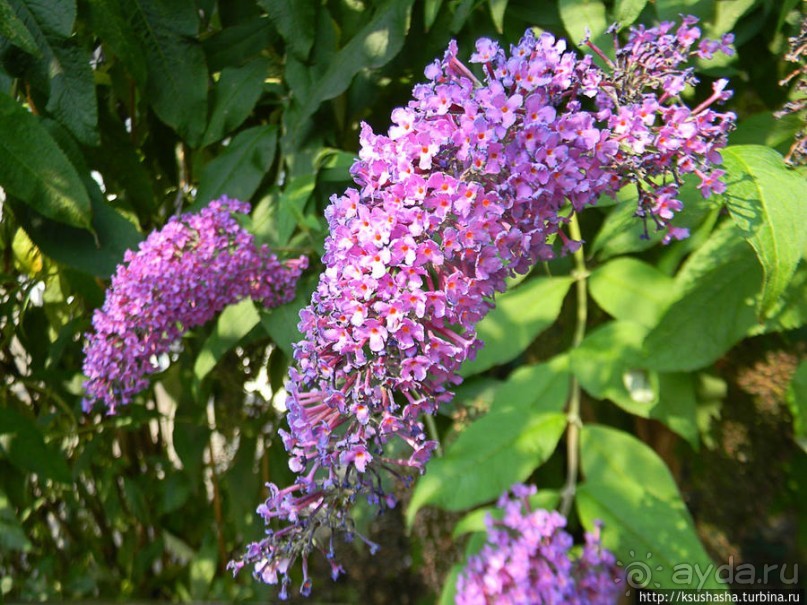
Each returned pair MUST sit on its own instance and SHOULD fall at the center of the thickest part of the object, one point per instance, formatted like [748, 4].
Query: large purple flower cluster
[181, 276]
[526, 561]
[473, 183]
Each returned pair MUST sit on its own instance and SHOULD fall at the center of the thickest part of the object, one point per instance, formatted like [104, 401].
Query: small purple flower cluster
[473, 183]
[526, 561]
[181, 276]
[797, 53]
[660, 138]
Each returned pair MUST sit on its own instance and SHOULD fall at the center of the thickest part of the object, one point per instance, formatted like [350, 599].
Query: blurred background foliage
[116, 114]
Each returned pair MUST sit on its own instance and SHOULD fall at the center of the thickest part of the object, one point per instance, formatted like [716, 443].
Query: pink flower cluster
[473, 183]
[181, 276]
[526, 560]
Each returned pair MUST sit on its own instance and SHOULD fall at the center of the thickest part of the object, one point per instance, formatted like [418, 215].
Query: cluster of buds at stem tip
[181, 276]
[474, 182]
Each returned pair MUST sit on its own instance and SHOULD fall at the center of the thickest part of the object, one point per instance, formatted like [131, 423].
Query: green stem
[431, 426]
[574, 424]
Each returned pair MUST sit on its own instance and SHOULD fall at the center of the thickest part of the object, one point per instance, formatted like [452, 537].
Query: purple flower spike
[180, 277]
[473, 183]
[526, 560]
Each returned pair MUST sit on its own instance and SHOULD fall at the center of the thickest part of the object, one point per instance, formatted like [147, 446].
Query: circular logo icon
[638, 573]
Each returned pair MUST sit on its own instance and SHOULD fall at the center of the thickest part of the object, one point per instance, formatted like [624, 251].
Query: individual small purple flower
[527, 560]
[181, 276]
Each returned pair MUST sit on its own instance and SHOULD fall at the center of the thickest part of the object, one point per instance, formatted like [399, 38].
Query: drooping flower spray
[473, 183]
[181, 276]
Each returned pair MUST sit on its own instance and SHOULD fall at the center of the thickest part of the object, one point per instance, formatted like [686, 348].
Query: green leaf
[72, 100]
[764, 129]
[235, 322]
[96, 253]
[12, 534]
[518, 434]
[766, 202]
[629, 289]
[176, 84]
[646, 523]
[240, 168]
[108, 21]
[726, 15]
[608, 364]
[53, 17]
[797, 402]
[64, 71]
[21, 441]
[520, 315]
[718, 286]
[203, 568]
[583, 16]
[234, 98]
[233, 46]
[281, 322]
[448, 595]
[497, 10]
[35, 170]
[430, 11]
[372, 47]
[295, 20]
[15, 31]
[277, 216]
[671, 10]
[791, 312]
[627, 11]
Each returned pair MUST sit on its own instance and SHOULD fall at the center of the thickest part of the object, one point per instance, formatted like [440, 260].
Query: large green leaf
[234, 46]
[497, 10]
[647, 525]
[585, 18]
[431, 9]
[234, 97]
[295, 21]
[373, 46]
[767, 203]
[235, 322]
[520, 315]
[15, 31]
[64, 71]
[671, 10]
[281, 322]
[726, 15]
[96, 253]
[241, 167]
[23, 444]
[608, 365]
[519, 433]
[35, 170]
[765, 129]
[108, 21]
[176, 84]
[54, 17]
[277, 215]
[627, 11]
[632, 290]
[718, 287]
